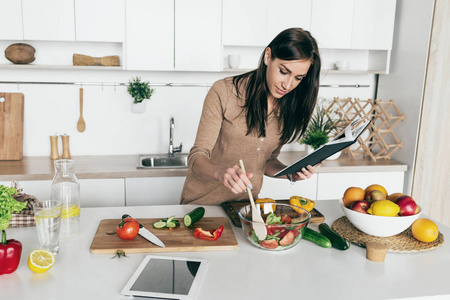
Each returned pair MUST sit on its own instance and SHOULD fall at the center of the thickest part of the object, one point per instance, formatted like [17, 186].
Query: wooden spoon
[258, 222]
[81, 125]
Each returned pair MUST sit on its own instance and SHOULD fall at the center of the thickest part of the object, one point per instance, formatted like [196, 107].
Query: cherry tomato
[127, 229]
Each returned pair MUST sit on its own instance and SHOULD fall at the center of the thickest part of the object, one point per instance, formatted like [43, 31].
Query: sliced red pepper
[211, 235]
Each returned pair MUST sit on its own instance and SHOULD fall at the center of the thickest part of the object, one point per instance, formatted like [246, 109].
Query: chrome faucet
[172, 149]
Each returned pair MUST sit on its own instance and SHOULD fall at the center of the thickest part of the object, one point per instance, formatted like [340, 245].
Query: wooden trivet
[403, 242]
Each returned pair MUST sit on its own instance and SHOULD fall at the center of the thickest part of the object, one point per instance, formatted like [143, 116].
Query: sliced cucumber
[159, 224]
[193, 216]
[315, 237]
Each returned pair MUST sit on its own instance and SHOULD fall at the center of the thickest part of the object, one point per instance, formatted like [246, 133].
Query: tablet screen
[169, 277]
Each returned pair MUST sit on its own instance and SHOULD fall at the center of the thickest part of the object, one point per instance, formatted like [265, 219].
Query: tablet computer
[166, 277]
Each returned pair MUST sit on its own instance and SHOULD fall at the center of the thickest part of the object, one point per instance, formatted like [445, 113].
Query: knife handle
[128, 216]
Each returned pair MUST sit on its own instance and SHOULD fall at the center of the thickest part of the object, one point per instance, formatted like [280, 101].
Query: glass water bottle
[66, 188]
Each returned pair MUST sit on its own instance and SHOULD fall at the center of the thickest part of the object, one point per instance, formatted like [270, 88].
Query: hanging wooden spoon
[81, 125]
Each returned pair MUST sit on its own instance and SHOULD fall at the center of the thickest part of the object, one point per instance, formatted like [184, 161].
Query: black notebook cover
[320, 154]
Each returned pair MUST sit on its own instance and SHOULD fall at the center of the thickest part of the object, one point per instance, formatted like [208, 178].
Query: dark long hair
[296, 107]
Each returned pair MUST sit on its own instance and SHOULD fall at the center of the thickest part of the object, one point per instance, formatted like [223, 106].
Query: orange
[394, 196]
[424, 230]
[376, 187]
[353, 194]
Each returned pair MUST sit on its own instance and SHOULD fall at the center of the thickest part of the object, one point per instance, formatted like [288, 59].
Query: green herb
[8, 205]
[273, 219]
[273, 237]
[139, 90]
[120, 253]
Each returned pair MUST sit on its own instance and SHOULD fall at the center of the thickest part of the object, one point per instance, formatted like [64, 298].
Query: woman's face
[282, 76]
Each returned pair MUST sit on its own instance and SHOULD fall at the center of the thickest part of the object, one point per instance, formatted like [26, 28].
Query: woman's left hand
[306, 173]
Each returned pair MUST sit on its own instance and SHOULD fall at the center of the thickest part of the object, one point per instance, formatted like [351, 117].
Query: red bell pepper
[211, 235]
[10, 252]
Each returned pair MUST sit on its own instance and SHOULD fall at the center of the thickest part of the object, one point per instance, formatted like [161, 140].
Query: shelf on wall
[57, 67]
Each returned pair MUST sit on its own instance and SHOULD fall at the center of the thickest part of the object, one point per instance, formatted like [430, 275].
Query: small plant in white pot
[140, 91]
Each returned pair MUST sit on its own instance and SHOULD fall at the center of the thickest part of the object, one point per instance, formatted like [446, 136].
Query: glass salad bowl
[284, 225]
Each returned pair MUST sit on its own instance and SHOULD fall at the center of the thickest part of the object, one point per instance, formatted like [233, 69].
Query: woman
[250, 117]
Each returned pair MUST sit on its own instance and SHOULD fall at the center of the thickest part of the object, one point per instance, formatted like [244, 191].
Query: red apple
[407, 205]
[360, 206]
[375, 195]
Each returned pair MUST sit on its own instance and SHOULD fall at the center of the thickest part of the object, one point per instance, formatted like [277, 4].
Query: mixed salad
[278, 236]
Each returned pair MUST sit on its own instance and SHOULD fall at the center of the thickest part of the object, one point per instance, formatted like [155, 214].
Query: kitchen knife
[147, 234]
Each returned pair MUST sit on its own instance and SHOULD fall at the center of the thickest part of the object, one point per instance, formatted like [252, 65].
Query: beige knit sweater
[221, 136]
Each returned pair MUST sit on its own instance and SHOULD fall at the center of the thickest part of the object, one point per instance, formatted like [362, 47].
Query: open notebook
[343, 140]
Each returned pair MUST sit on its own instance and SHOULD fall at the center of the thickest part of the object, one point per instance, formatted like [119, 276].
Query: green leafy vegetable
[8, 205]
[273, 219]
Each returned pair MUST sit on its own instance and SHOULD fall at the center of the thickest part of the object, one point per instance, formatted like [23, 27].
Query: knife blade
[147, 234]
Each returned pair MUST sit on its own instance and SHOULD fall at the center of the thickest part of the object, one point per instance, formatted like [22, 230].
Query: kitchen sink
[161, 161]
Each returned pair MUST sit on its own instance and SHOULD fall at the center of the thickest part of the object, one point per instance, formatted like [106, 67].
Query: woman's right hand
[235, 179]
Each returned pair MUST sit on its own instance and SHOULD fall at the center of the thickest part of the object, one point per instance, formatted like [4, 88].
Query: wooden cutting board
[178, 239]
[11, 126]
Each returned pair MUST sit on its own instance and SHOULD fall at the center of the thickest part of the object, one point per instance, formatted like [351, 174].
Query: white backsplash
[111, 127]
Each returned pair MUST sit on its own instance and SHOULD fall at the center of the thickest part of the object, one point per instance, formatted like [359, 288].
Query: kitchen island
[306, 271]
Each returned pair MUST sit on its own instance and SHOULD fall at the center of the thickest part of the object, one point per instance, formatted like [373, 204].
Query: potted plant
[10, 250]
[319, 128]
[139, 90]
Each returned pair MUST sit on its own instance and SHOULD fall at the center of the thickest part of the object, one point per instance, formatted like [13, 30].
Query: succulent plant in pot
[319, 128]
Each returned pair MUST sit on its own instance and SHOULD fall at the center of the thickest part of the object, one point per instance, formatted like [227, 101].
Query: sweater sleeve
[210, 122]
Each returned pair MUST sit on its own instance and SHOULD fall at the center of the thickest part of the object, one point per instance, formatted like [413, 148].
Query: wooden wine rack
[381, 141]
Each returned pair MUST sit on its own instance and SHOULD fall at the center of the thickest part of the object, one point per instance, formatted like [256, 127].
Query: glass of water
[47, 214]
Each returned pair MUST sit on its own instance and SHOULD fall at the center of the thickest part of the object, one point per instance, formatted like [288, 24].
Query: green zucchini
[193, 216]
[315, 237]
[337, 241]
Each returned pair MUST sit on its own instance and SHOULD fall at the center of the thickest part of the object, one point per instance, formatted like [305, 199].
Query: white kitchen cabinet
[333, 185]
[48, 20]
[93, 192]
[149, 35]
[373, 24]
[102, 192]
[277, 188]
[331, 23]
[197, 35]
[11, 20]
[100, 20]
[244, 22]
[154, 190]
[283, 14]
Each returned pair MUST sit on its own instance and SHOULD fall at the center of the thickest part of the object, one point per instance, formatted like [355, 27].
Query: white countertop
[306, 271]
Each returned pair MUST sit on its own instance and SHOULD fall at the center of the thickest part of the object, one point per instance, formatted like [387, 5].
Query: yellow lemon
[385, 208]
[70, 211]
[40, 260]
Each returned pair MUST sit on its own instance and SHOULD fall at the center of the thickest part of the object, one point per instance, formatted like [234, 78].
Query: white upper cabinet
[198, 35]
[331, 23]
[149, 35]
[100, 20]
[283, 14]
[11, 21]
[353, 24]
[257, 22]
[244, 22]
[48, 20]
[373, 24]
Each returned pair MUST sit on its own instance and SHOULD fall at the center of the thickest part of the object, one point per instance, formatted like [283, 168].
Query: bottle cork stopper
[375, 251]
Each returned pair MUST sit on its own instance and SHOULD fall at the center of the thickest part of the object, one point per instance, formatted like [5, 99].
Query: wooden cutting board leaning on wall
[11, 126]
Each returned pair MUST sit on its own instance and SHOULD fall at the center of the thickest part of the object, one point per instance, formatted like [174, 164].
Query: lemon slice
[40, 260]
[70, 211]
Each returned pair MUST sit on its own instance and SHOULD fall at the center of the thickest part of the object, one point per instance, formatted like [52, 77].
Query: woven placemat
[403, 242]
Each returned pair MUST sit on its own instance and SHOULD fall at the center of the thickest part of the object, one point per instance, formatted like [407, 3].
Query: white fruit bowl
[379, 225]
